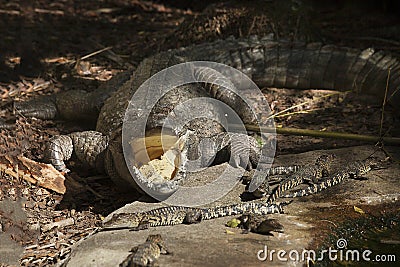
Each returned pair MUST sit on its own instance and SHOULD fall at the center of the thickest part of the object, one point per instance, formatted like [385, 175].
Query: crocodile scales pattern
[263, 189]
[269, 63]
[352, 170]
[145, 254]
[311, 172]
[178, 214]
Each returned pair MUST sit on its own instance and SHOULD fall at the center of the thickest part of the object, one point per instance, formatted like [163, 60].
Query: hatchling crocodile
[147, 253]
[307, 173]
[353, 170]
[269, 63]
[172, 215]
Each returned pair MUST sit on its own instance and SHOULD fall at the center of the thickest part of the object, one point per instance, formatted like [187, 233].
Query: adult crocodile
[267, 62]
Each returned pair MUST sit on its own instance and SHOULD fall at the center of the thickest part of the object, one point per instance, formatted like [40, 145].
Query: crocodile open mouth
[158, 155]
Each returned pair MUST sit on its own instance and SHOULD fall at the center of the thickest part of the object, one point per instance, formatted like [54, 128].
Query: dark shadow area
[376, 231]
[96, 193]
[36, 31]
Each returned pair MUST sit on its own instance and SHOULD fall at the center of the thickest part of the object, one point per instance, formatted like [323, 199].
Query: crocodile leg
[221, 87]
[43, 107]
[59, 149]
[88, 146]
[71, 105]
[244, 150]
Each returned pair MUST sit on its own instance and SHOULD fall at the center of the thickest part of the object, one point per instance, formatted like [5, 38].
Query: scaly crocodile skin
[311, 172]
[269, 63]
[178, 214]
[263, 189]
[145, 254]
[351, 170]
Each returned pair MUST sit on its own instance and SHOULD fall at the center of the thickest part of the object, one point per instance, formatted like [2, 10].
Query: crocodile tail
[241, 208]
[261, 178]
[312, 189]
[288, 184]
[328, 67]
[287, 64]
[281, 170]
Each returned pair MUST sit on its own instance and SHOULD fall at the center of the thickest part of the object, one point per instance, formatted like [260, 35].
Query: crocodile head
[156, 162]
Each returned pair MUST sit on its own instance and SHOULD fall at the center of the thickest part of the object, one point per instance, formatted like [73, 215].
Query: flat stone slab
[11, 251]
[211, 243]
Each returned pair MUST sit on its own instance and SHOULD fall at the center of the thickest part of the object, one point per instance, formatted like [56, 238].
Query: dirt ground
[52, 46]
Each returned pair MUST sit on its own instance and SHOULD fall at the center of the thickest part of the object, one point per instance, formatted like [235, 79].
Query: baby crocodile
[145, 254]
[173, 215]
[263, 189]
[310, 172]
[352, 170]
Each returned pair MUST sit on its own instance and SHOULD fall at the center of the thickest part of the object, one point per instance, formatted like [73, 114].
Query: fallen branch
[41, 174]
[325, 134]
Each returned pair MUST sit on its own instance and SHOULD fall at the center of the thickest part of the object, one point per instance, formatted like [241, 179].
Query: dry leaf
[229, 232]
[233, 223]
[356, 209]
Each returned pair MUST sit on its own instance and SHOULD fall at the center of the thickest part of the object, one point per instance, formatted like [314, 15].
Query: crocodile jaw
[161, 177]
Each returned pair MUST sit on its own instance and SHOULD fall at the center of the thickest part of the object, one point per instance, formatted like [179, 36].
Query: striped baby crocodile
[145, 254]
[351, 170]
[263, 189]
[173, 215]
[308, 173]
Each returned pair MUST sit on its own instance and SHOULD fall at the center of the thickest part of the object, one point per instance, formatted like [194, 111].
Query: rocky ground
[51, 46]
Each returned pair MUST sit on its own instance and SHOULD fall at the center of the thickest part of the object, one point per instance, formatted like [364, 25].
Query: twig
[371, 38]
[390, 241]
[324, 134]
[87, 187]
[329, 222]
[252, 26]
[10, 12]
[298, 112]
[48, 11]
[394, 92]
[366, 38]
[96, 52]
[304, 103]
[113, 56]
[384, 102]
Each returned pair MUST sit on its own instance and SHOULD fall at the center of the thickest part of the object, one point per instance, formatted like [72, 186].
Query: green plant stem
[325, 134]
